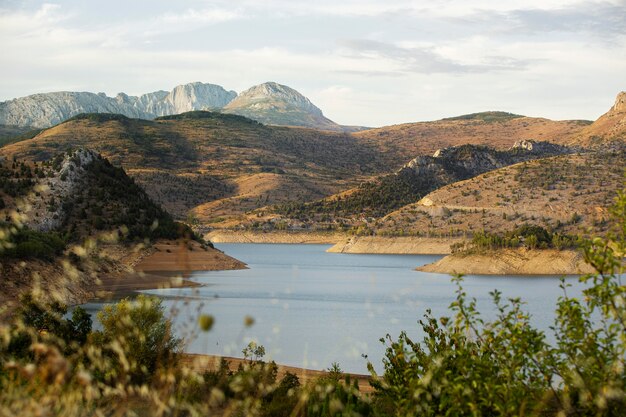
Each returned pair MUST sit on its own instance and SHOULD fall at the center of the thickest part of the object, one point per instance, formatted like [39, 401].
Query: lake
[311, 308]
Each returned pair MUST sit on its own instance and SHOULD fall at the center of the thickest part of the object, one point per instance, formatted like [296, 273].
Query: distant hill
[214, 164]
[420, 176]
[276, 104]
[488, 116]
[495, 129]
[569, 194]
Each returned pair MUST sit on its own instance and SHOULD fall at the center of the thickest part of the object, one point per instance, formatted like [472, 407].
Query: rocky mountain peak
[271, 95]
[620, 103]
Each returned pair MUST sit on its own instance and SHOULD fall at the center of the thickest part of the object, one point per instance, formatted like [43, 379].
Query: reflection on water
[312, 308]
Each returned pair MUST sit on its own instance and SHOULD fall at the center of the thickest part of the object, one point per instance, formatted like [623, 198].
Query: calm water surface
[312, 308]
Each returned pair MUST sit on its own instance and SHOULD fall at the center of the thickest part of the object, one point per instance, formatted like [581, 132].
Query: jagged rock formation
[44, 110]
[539, 148]
[273, 103]
[61, 186]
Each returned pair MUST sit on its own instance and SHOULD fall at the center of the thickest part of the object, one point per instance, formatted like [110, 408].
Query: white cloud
[362, 62]
[199, 16]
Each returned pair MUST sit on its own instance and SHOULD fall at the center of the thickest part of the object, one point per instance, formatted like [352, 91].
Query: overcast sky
[363, 62]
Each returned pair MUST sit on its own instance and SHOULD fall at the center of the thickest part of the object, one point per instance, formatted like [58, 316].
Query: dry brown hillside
[569, 194]
[196, 159]
[495, 129]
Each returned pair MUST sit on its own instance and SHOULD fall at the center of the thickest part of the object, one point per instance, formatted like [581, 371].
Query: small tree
[138, 337]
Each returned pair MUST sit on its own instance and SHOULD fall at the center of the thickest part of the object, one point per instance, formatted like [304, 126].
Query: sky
[363, 62]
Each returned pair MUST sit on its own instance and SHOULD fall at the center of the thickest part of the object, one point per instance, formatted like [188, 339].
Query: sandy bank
[178, 256]
[162, 265]
[513, 262]
[236, 236]
[406, 245]
[210, 363]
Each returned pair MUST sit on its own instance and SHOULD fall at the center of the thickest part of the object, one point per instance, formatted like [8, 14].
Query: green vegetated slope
[77, 195]
[12, 134]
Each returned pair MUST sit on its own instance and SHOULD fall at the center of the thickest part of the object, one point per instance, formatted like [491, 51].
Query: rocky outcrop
[620, 103]
[609, 131]
[44, 110]
[47, 204]
[273, 103]
[461, 162]
[539, 148]
[196, 96]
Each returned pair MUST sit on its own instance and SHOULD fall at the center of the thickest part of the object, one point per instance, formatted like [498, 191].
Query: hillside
[76, 219]
[496, 129]
[276, 104]
[569, 194]
[209, 160]
[609, 129]
[423, 174]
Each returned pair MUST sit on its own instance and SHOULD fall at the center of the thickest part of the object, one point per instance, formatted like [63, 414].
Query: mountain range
[269, 103]
[218, 168]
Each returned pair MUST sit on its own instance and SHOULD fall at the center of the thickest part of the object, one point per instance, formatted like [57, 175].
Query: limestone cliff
[44, 110]
[273, 103]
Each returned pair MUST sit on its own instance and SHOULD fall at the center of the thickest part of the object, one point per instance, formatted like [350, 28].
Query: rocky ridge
[273, 103]
[45, 110]
[269, 103]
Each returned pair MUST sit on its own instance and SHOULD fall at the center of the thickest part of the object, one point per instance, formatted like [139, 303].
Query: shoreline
[512, 262]
[401, 245]
[202, 362]
[166, 264]
[291, 237]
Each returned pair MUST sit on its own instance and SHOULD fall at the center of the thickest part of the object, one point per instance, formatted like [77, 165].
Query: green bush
[466, 365]
[28, 243]
[144, 335]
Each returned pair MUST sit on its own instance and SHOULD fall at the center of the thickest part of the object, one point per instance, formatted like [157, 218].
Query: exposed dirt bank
[163, 265]
[513, 262]
[235, 236]
[208, 362]
[111, 270]
[178, 256]
[395, 245]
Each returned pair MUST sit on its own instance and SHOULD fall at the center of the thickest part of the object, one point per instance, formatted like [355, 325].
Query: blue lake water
[312, 308]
